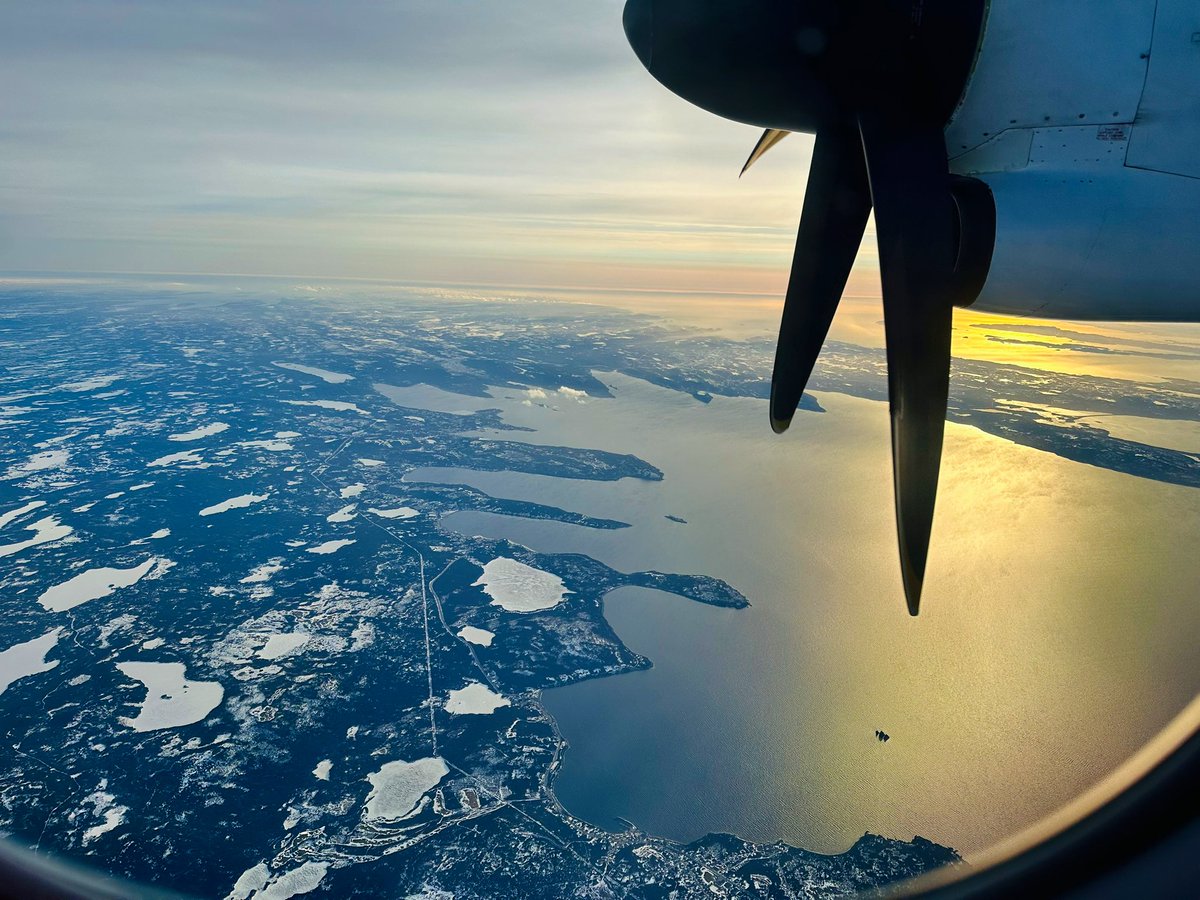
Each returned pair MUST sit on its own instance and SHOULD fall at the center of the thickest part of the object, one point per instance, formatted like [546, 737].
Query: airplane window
[427, 470]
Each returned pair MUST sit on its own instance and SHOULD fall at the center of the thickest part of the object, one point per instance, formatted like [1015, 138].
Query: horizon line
[49, 274]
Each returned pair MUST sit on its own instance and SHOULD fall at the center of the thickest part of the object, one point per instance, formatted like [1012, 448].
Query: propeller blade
[769, 139]
[836, 205]
[917, 232]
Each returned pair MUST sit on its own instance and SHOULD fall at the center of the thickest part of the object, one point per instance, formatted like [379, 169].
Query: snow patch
[105, 806]
[329, 547]
[473, 635]
[89, 384]
[253, 879]
[171, 700]
[335, 405]
[400, 512]
[324, 374]
[93, 585]
[7, 517]
[292, 883]
[263, 573]
[272, 446]
[171, 459]
[197, 433]
[345, 514]
[233, 503]
[22, 660]
[280, 645]
[44, 531]
[398, 788]
[520, 588]
[475, 699]
[39, 462]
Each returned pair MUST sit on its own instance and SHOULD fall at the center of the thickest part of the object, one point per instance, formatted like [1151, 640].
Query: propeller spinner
[876, 81]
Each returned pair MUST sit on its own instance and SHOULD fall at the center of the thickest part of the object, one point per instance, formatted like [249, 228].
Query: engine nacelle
[1083, 119]
[1122, 245]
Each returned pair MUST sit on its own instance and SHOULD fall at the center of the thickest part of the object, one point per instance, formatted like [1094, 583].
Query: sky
[455, 141]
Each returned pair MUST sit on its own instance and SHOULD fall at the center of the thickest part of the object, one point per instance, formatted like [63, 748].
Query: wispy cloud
[464, 141]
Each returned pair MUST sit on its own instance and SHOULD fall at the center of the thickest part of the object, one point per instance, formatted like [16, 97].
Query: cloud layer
[466, 141]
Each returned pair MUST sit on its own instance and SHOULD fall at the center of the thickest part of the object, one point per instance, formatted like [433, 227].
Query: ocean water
[1057, 634]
